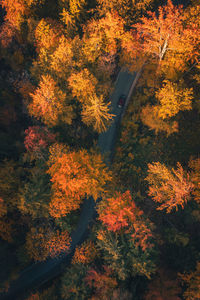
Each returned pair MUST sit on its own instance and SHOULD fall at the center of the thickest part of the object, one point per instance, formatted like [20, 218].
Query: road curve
[37, 274]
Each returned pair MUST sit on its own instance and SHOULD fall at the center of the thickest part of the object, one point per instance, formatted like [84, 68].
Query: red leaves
[38, 138]
[118, 212]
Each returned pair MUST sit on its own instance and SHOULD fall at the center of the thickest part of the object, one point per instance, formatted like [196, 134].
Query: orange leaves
[170, 188]
[194, 164]
[43, 242]
[15, 10]
[59, 242]
[165, 35]
[74, 175]
[192, 281]
[85, 253]
[149, 116]
[95, 111]
[49, 102]
[117, 212]
[47, 34]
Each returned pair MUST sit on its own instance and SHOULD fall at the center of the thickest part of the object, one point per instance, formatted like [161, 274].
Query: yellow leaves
[170, 188]
[83, 84]
[61, 60]
[101, 36]
[97, 113]
[150, 118]
[16, 11]
[76, 7]
[173, 98]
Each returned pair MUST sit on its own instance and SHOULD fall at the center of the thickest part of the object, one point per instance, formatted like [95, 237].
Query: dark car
[121, 101]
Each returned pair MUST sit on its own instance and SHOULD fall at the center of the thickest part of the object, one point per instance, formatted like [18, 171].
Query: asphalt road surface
[37, 274]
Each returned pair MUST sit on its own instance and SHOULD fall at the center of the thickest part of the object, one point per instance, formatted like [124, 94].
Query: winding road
[39, 273]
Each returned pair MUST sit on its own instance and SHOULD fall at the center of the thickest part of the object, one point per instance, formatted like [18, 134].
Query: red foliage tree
[38, 138]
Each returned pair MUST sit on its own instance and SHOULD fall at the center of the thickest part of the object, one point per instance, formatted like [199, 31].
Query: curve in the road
[41, 272]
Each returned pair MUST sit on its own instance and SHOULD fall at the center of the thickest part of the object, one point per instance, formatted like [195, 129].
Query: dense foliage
[59, 64]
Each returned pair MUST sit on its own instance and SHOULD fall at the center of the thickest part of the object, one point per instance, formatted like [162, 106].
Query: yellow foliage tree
[82, 84]
[170, 188]
[97, 113]
[61, 61]
[172, 99]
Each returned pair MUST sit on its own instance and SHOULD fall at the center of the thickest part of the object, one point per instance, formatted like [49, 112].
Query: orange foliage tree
[192, 281]
[164, 37]
[194, 164]
[43, 242]
[83, 84]
[169, 187]
[47, 34]
[75, 175]
[15, 11]
[49, 103]
[85, 253]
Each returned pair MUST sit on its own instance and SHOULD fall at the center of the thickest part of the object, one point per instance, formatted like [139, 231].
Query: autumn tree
[47, 33]
[194, 164]
[37, 139]
[164, 38]
[102, 36]
[192, 281]
[128, 10]
[43, 242]
[35, 192]
[73, 285]
[125, 229]
[74, 176]
[172, 99]
[61, 60]
[149, 116]
[97, 113]
[85, 253]
[83, 85]
[168, 187]
[49, 103]
[102, 281]
[15, 11]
